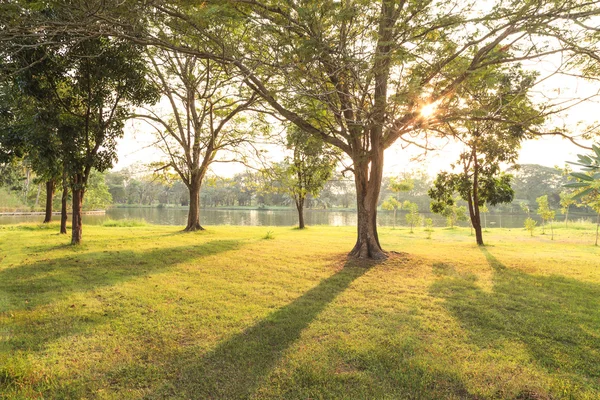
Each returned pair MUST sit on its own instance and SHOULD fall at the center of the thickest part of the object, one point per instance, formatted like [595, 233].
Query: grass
[149, 312]
[124, 223]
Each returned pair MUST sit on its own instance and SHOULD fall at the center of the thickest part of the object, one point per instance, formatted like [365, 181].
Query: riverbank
[150, 312]
[24, 213]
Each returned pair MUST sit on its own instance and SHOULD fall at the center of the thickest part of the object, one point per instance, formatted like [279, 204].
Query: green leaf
[581, 176]
[582, 194]
[576, 185]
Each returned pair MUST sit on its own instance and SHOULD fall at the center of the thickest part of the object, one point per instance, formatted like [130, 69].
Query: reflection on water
[210, 216]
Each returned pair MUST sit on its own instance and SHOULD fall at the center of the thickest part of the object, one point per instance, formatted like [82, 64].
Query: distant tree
[566, 201]
[398, 186]
[531, 181]
[530, 225]
[428, 227]
[546, 213]
[98, 196]
[451, 211]
[413, 218]
[391, 204]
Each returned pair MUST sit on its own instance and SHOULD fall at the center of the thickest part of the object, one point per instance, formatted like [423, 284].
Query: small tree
[428, 227]
[530, 225]
[451, 211]
[413, 218]
[391, 204]
[566, 201]
[307, 170]
[545, 213]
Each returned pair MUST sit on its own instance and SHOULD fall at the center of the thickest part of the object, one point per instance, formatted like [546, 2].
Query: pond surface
[212, 216]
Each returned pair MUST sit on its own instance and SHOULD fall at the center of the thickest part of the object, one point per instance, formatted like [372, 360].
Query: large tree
[206, 104]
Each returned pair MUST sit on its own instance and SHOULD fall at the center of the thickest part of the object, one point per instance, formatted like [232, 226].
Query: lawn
[148, 312]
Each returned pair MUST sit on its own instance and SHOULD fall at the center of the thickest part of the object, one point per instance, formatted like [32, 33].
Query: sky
[136, 146]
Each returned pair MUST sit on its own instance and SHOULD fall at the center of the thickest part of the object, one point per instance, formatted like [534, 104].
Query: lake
[212, 216]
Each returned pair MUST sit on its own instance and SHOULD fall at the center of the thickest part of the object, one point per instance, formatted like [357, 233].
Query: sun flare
[428, 110]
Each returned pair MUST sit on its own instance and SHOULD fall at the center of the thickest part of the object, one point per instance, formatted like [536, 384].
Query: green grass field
[149, 312]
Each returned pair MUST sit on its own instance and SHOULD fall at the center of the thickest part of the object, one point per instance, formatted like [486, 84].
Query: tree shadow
[556, 318]
[25, 288]
[236, 367]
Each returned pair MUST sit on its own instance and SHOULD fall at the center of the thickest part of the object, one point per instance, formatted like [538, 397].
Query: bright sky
[136, 146]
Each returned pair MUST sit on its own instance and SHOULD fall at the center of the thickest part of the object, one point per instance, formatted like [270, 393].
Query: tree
[391, 204]
[588, 182]
[451, 211]
[479, 188]
[307, 171]
[29, 118]
[428, 227]
[98, 196]
[206, 102]
[497, 116]
[355, 73]
[546, 213]
[105, 77]
[566, 201]
[531, 181]
[530, 225]
[413, 218]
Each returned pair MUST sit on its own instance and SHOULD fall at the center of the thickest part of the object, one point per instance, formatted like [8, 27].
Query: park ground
[278, 313]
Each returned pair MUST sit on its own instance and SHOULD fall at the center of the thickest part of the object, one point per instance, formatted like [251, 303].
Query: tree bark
[50, 185]
[76, 222]
[475, 221]
[368, 186]
[474, 201]
[193, 223]
[63, 208]
[300, 208]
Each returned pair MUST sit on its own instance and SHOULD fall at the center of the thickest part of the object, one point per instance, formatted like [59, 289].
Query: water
[211, 216]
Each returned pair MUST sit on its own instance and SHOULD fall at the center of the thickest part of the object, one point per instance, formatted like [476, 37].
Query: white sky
[136, 146]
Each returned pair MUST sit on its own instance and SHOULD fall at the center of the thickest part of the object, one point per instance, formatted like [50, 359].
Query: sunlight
[429, 109]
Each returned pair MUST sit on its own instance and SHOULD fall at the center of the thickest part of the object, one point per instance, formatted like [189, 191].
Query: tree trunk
[193, 223]
[474, 202]
[368, 186]
[50, 184]
[76, 222]
[63, 208]
[300, 208]
[475, 221]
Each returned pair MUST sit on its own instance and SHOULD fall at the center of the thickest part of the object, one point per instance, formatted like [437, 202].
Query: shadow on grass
[236, 367]
[30, 286]
[556, 318]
